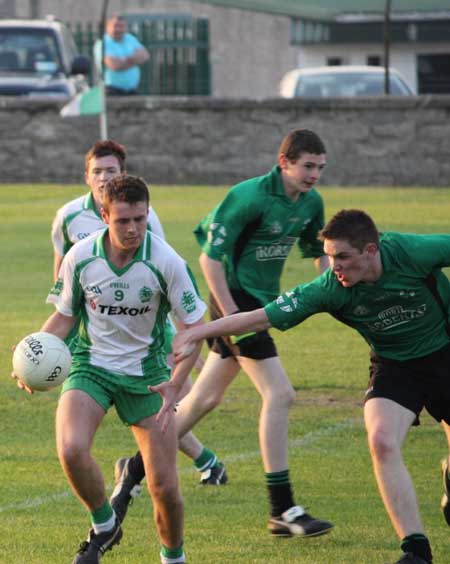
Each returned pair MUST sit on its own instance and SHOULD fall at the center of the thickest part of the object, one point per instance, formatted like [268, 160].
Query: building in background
[252, 43]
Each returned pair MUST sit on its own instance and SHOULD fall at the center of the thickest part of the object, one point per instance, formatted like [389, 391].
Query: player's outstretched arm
[170, 391]
[245, 322]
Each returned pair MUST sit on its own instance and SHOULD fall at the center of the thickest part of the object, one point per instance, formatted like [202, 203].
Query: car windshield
[28, 51]
[349, 84]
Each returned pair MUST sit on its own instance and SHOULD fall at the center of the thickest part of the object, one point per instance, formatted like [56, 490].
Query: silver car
[342, 81]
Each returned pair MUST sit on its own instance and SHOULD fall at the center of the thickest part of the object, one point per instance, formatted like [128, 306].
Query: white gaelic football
[42, 361]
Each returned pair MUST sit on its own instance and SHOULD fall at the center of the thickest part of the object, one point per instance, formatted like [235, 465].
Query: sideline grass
[41, 521]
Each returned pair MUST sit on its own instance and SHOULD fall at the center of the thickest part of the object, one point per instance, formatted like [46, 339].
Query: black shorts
[414, 384]
[257, 346]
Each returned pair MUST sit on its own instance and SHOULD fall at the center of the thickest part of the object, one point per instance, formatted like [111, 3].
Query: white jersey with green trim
[80, 218]
[124, 310]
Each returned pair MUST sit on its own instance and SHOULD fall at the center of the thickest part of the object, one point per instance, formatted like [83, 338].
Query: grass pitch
[42, 522]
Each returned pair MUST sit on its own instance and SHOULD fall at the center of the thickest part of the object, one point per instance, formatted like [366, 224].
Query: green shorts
[129, 394]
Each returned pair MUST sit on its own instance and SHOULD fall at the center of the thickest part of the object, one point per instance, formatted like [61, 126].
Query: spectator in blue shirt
[122, 56]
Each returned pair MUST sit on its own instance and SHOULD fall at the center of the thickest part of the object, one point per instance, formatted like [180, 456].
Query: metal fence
[179, 53]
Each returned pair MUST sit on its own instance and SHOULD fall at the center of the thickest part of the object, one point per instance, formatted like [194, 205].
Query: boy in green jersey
[245, 242]
[391, 289]
[122, 282]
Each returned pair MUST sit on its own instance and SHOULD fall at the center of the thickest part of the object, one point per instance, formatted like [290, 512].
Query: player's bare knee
[211, 401]
[166, 492]
[280, 399]
[292, 395]
[73, 454]
[203, 404]
[382, 445]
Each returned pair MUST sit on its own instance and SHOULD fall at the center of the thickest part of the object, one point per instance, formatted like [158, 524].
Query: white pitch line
[308, 439]
[36, 501]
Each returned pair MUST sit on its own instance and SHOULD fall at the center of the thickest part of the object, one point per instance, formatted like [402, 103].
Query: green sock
[102, 514]
[277, 478]
[280, 492]
[170, 553]
[207, 459]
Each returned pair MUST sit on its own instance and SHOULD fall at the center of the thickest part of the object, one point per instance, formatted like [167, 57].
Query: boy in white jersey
[81, 217]
[75, 221]
[121, 283]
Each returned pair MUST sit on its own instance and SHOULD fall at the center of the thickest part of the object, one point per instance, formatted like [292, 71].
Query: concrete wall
[394, 142]
[7, 9]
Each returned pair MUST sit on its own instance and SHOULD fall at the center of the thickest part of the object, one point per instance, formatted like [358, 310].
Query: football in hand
[42, 361]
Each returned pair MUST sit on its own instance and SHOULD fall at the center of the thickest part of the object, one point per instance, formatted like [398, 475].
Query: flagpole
[103, 117]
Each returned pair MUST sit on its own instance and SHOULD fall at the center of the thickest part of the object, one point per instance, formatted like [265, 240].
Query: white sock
[106, 526]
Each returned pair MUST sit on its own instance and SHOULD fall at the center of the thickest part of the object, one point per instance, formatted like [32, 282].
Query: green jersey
[253, 229]
[397, 315]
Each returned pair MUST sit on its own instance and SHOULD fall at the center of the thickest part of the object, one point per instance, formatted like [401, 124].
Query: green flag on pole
[88, 102]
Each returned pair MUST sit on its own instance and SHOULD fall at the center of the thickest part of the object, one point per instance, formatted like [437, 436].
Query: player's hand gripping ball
[42, 361]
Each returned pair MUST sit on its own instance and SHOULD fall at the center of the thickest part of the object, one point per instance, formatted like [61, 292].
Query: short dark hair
[354, 226]
[301, 141]
[105, 149]
[125, 188]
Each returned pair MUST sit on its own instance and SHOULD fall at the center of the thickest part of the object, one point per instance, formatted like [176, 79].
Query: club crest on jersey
[145, 294]
[287, 302]
[57, 288]
[188, 302]
[276, 228]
